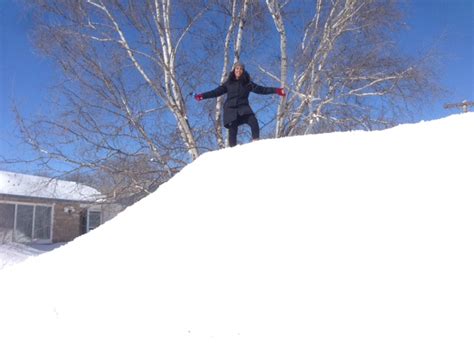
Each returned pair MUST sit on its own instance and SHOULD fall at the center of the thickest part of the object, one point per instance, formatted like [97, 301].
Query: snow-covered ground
[13, 253]
[343, 243]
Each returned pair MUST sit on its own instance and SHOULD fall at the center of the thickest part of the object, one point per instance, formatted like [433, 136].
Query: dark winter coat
[237, 101]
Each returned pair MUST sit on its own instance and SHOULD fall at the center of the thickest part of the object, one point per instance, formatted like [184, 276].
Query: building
[36, 209]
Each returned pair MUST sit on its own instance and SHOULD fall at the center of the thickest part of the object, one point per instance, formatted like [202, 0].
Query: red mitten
[281, 92]
[198, 97]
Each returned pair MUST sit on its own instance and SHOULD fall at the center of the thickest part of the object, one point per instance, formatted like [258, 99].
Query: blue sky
[25, 76]
[449, 26]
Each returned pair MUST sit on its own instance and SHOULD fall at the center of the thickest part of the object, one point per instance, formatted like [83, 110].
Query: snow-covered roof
[41, 187]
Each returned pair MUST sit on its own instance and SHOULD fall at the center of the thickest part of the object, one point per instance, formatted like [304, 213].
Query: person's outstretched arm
[263, 90]
[220, 90]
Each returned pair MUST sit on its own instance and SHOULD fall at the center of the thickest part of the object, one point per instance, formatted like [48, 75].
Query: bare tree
[347, 73]
[122, 94]
[122, 112]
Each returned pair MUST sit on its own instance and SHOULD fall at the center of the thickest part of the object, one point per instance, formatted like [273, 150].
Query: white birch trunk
[175, 102]
[240, 33]
[275, 11]
[225, 69]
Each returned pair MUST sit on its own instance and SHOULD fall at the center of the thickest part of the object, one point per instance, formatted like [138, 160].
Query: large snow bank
[344, 243]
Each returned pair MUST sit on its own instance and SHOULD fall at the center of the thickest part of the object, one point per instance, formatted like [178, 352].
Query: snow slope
[343, 243]
[13, 253]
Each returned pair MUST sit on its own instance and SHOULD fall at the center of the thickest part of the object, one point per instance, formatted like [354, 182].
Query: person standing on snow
[237, 110]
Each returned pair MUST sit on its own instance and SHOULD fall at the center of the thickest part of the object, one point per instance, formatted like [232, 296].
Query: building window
[7, 222]
[90, 220]
[42, 225]
[93, 220]
[25, 223]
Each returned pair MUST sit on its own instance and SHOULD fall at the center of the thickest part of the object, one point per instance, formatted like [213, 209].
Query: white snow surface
[42, 187]
[341, 243]
[13, 253]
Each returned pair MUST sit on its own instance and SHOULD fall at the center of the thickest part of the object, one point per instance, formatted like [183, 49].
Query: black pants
[251, 120]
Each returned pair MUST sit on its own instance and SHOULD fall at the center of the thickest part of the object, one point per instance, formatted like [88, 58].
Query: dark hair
[245, 77]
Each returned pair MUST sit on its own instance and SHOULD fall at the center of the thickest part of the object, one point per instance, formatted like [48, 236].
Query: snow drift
[343, 243]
